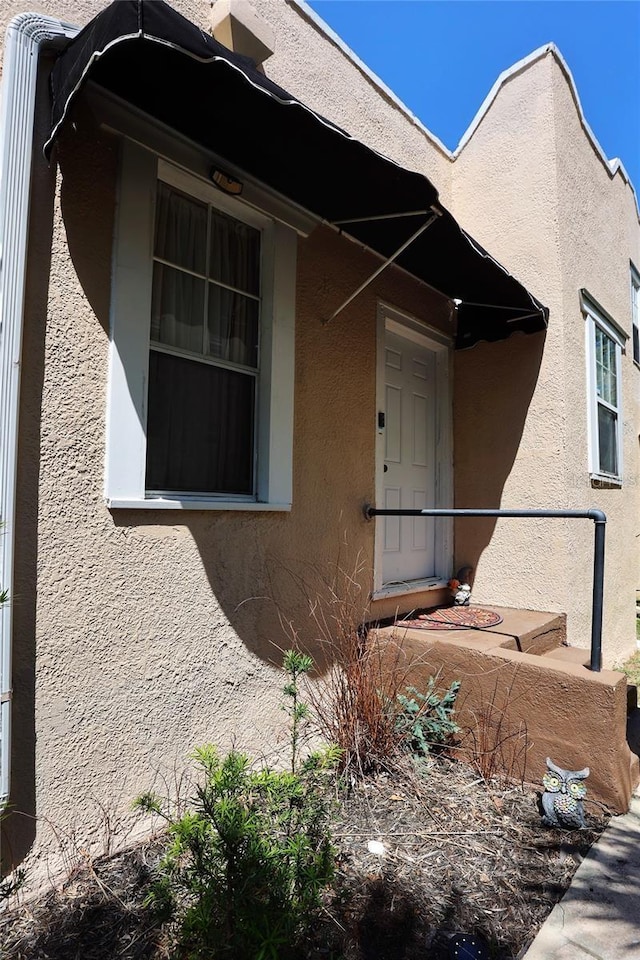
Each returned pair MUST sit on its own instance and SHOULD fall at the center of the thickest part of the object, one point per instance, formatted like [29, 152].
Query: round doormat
[454, 618]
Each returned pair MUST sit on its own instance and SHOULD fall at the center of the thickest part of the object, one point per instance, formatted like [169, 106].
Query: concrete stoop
[525, 696]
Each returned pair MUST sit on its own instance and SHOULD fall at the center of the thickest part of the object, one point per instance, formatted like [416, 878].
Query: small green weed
[631, 669]
[425, 720]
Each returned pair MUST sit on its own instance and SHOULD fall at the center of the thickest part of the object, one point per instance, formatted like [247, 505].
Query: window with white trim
[635, 312]
[200, 407]
[604, 345]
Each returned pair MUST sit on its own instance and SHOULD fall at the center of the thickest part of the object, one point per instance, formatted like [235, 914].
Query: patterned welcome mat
[454, 618]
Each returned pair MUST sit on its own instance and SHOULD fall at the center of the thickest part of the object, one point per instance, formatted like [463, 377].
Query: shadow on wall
[261, 568]
[265, 570]
[493, 387]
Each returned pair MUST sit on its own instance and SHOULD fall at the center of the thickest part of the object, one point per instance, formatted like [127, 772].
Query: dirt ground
[460, 856]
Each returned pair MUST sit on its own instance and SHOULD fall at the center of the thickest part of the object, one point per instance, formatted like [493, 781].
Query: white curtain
[177, 306]
[235, 262]
[200, 425]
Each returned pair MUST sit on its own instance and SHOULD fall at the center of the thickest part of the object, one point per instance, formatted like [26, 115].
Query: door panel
[393, 419]
[410, 475]
[392, 524]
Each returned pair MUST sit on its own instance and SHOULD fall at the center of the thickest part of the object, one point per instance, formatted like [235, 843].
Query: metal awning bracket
[434, 214]
[382, 216]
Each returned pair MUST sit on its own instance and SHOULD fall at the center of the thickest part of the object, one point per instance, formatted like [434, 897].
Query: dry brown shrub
[353, 701]
[495, 745]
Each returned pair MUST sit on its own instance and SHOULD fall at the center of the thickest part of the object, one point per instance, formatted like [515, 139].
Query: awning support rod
[527, 316]
[414, 236]
[497, 306]
[381, 216]
[599, 519]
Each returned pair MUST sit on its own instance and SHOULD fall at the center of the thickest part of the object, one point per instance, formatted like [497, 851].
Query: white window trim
[390, 318]
[635, 312]
[129, 352]
[594, 318]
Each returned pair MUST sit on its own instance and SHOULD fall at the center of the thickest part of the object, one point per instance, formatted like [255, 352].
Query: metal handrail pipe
[597, 516]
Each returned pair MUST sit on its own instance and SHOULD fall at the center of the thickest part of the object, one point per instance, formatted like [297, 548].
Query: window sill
[409, 586]
[160, 503]
[601, 482]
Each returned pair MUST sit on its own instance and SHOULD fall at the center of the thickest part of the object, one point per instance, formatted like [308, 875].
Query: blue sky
[441, 57]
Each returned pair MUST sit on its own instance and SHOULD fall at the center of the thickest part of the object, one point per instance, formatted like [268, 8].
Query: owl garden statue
[562, 799]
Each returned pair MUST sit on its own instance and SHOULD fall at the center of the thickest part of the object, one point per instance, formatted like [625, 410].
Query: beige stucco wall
[599, 235]
[151, 633]
[531, 187]
[140, 635]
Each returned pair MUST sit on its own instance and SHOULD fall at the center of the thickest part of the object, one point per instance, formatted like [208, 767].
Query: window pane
[606, 381]
[177, 309]
[233, 326]
[611, 371]
[599, 378]
[181, 229]
[200, 427]
[607, 442]
[635, 315]
[235, 253]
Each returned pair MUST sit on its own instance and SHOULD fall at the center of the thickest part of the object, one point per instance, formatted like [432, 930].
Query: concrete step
[539, 690]
[577, 655]
[582, 658]
[529, 631]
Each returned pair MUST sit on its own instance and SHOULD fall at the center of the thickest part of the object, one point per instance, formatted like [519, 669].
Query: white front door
[414, 460]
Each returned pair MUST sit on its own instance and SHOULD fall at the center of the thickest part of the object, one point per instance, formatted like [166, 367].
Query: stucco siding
[531, 186]
[599, 234]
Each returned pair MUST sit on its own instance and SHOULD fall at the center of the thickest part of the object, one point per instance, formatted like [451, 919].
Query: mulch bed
[460, 855]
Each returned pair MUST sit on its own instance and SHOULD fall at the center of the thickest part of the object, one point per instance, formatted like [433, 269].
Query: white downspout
[25, 36]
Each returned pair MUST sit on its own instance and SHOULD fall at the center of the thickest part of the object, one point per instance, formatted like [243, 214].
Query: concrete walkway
[599, 916]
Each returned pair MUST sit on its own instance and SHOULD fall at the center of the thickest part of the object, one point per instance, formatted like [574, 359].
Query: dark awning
[153, 58]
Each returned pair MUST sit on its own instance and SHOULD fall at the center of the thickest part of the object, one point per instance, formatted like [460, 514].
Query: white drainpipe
[25, 37]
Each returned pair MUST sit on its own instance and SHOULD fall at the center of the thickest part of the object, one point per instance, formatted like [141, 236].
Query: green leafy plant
[246, 865]
[425, 720]
[12, 884]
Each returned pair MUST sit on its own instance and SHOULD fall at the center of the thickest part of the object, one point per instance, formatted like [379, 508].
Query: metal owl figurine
[562, 799]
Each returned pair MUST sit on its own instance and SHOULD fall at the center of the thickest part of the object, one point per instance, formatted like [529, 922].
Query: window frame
[595, 317]
[635, 312]
[132, 269]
